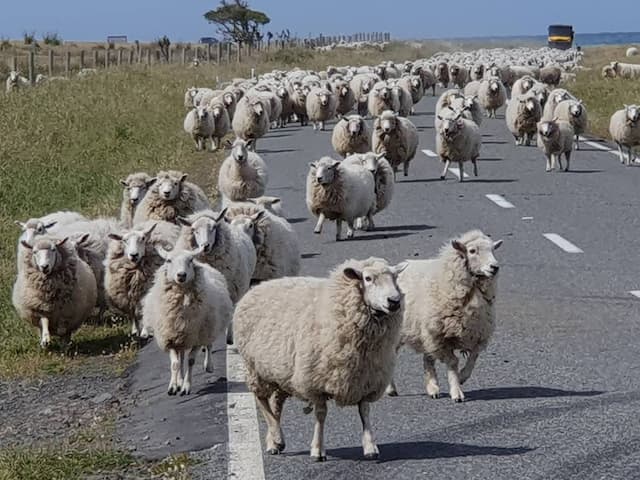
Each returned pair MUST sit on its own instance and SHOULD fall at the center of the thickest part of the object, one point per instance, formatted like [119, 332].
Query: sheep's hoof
[458, 400]
[435, 396]
[280, 446]
[273, 451]
[317, 231]
[392, 393]
[406, 174]
[172, 391]
[372, 456]
[321, 458]
[307, 409]
[185, 391]
[547, 170]
[441, 177]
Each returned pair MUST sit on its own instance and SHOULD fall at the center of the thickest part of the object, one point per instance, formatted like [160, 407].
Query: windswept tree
[237, 22]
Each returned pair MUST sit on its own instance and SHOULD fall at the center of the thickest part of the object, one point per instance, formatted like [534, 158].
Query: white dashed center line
[564, 244]
[456, 172]
[430, 153]
[499, 200]
[635, 293]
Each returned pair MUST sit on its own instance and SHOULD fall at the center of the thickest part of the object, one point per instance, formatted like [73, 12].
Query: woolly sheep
[624, 128]
[287, 106]
[446, 99]
[362, 84]
[243, 174]
[54, 290]
[574, 112]
[316, 339]
[135, 188]
[470, 108]
[199, 124]
[522, 116]
[555, 97]
[403, 100]
[220, 119]
[449, 305]
[275, 106]
[321, 107]
[341, 192]
[551, 75]
[555, 137]
[15, 82]
[458, 140]
[230, 102]
[459, 75]
[170, 197]
[397, 137]
[492, 95]
[413, 85]
[299, 105]
[251, 120]
[351, 135]
[381, 98]
[427, 76]
[477, 72]
[271, 204]
[631, 52]
[47, 224]
[608, 72]
[345, 97]
[626, 70]
[541, 92]
[382, 174]
[522, 85]
[442, 74]
[188, 306]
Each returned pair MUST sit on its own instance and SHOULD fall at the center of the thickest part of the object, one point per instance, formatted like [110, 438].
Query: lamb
[321, 107]
[551, 75]
[626, 70]
[442, 75]
[624, 128]
[54, 290]
[251, 120]
[317, 339]
[276, 242]
[574, 112]
[492, 95]
[188, 306]
[449, 305]
[345, 97]
[522, 116]
[381, 98]
[220, 119]
[135, 188]
[243, 174]
[170, 197]
[199, 124]
[351, 135]
[459, 75]
[15, 82]
[397, 137]
[458, 140]
[341, 192]
[555, 97]
[382, 174]
[555, 137]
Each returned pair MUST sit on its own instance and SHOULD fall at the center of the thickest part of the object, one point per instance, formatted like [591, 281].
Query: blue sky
[182, 19]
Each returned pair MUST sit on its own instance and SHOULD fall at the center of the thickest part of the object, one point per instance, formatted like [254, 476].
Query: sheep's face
[179, 265]
[271, 204]
[379, 286]
[494, 86]
[202, 113]
[415, 82]
[450, 127]
[559, 97]
[380, 71]
[169, 187]
[529, 105]
[469, 102]
[366, 86]
[33, 228]
[547, 129]
[135, 246]
[633, 113]
[248, 224]
[45, 254]
[370, 161]
[205, 233]
[240, 151]
[136, 188]
[282, 93]
[442, 68]
[527, 84]
[216, 111]
[323, 97]
[478, 254]
[478, 70]
[388, 122]
[228, 99]
[325, 171]
[384, 93]
[575, 110]
[454, 70]
[258, 109]
[354, 125]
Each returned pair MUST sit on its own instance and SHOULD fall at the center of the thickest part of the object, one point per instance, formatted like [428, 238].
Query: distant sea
[582, 39]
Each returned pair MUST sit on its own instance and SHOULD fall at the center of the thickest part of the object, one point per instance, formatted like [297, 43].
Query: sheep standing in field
[449, 305]
[345, 97]
[188, 306]
[46, 224]
[55, 290]
[458, 140]
[631, 52]
[624, 128]
[382, 173]
[626, 70]
[341, 192]
[459, 75]
[381, 98]
[221, 123]
[251, 120]
[170, 197]
[397, 137]
[199, 124]
[15, 82]
[522, 117]
[555, 138]
[442, 75]
[351, 135]
[574, 112]
[319, 339]
[243, 174]
[321, 107]
[135, 188]
[608, 72]
[492, 95]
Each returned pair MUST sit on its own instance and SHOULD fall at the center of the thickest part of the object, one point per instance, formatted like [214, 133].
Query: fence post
[171, 52]
[51, 63]
[158, 60]
[229, 52]
[239, 52]
[208, 53]
[14, 63]
[32, 67]
[148, 56]
[67, 64]
[81, 59]
[131, 56]
[184, 55]
[95, 59]
[106, 58]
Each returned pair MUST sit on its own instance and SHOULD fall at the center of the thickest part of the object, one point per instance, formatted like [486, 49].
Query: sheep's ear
[26, 245]
[183, 177]
[228, 143]
[313, 165]
[221, 215]
[352, 274]
[83, 238]
[555, 119]
[23, 226]
[164, 254]
[345, 118]
[439, 117]
[124, 183]
[151, 229]
[151, 181]
[250, 142]
[275, 200]
[459, 247]
[381, 155]
[197, 251]
[49, 225]
[399, 268]
[335, 164]
[114, 236]
[497, 245]
[257, 216]
[183, 221]
[59, 243]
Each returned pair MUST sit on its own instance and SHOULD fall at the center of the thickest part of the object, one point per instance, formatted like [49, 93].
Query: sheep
[442, 75]
[459, 75]
[631, 52]
[555, 137]
[341, 192]
[574, 112]
[362, 84]
[47, 224]
[299, 105]
[230, 102]
[187, 306]
[317, 339]
[413, 85]
[458, 140]
[626, 70]
[135, 188]
[271, 204]
[551, 75]
[15, 82]
[199, 124]
[251, 120]
[220, 119]
[397, 137]
[382, 174]
[243, 174]
[345, 97]
[522, 116]
[624, 128]
[170, 197]
[287, 106]
[492, 95]
[522, 86]
[477, 72]
[472, 88]
[446, 99]
[608, 72]
[556, 96]
[427, 77]
[471, 108]
[321, 106]
[54, 290]
[381, 98]
[189, 96]
[402, 99]
[275, 106]
[449, 305]
[541, 92]
[351, 135]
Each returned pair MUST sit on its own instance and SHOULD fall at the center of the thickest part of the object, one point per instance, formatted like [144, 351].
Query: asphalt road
[557, 392]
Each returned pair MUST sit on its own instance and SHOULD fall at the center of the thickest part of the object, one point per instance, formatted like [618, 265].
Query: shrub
[29, 38]
[52, 39]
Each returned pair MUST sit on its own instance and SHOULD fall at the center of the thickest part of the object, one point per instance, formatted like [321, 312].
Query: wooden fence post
[51, 63]
[95, 59]
[32, 67]
[131, 56]
[184, 55]
[81, 59]
[120, 54]
[208, 53]
[219, 53]
[67, 64]
[239, 52]
[148, 55]
[14, 63]
[106, 58]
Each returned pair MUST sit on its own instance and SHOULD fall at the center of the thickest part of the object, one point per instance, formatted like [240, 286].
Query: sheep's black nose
[133, 256]
[494, 269]
[394, 304]
[182, 276]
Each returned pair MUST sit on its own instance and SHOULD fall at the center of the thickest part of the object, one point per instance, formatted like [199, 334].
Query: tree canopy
[237, 22]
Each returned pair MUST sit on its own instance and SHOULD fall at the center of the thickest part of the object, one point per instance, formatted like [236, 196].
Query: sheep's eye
[168, 260]
[367, 279]
[472, 251]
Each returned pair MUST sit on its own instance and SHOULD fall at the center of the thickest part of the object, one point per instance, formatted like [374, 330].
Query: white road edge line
[245, 450]
[635, 293]
[595, 144]
[500, 200]
[564, 244]
[430, 153]
[456, 172]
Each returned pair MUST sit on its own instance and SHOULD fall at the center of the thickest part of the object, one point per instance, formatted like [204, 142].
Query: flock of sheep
[187, 271]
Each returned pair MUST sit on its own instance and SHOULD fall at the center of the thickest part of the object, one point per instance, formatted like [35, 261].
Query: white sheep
[188, 306]
[271, 204]
[345, 97]
[402, 99]
[631, 52]
[199, 124]
[362, 84]
[556, 96]
[492, 95]
[522, 117]
[522, 86]
[550, 75]
[472, 88]
[413, 84]
[47, 224]
[15, 82]
[135, 188]
[321, 107]
[555, 137]
[574, 112]
[381, 98]
[243, 174]
[624, 128]
[382, 174]
[251, 119]
[397, 137]
[220, 118]
[458, 140]
[626, 70]
[287, 105]
[319, 339]
[351, 135]
[427, 76]
[449, 305]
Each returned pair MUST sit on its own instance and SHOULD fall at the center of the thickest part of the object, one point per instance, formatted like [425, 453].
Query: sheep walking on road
[555, 138]
[624, 128]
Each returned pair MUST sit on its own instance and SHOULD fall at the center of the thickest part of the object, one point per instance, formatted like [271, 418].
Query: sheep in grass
[199, 124]
[251, 119]
[458, 140]
[522, 117]
[15, 82]
[624, 128]
[574, 112]
[492, 95]
[626, 70]
[351, 135]
[54, 290]
[46, 224]
[230, 102]
[242, 175]
[170, 197]
[555, 137]
[188, 307]
[449, 306]
[342, 192]
[318, 339]
[135, 188]
[397, 137]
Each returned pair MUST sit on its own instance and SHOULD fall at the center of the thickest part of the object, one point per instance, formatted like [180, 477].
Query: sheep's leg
[318, 452]
[434, 90]
[577, 142]
[631, 156]
[191, 360]
[469, 365]
[391, 389]
[273, 438]
[208, 358]
[475, 166]
[174, 359]
[276, 402]
[197, 142]
[350, 228]
[455, 392]
[181, 370]
[370, 223]
[214, 144]
[406, 168]
[558, 157]
[620, 154]
[568, 157]
[318, 228]
[446, 169]
[134, 327]
[322, 125]
[369, 446]
[230, 334]
[430, 376]
[338, 229]
[548, 167]
[461, 169]
[45, 336]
